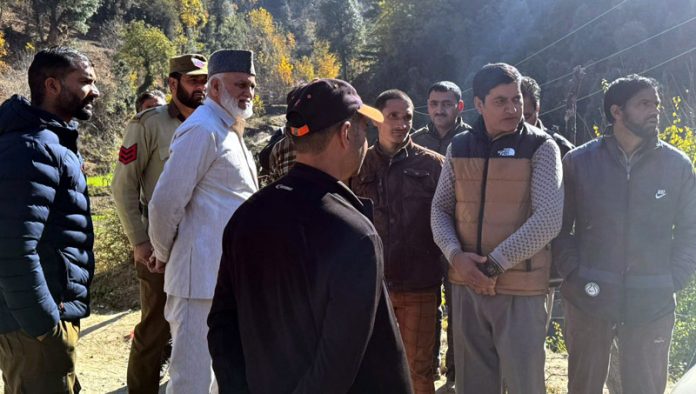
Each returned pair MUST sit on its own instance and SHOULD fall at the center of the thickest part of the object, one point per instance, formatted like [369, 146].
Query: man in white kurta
[209, 174]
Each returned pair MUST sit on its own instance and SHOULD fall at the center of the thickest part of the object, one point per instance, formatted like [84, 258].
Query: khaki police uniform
[141, 161]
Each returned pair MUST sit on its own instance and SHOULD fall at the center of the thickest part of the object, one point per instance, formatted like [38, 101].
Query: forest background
[572, 48]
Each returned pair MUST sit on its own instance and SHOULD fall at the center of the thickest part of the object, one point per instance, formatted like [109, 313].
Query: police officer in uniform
[141, 160]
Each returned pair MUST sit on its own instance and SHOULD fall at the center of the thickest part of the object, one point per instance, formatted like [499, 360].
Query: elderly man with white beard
[210, 173]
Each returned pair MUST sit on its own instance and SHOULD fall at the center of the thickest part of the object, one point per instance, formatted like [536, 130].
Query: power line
[571, 33]
[620, 52]
[564, 37]
[591, 64]
[642, 72]
[611, 56]
[669, 60]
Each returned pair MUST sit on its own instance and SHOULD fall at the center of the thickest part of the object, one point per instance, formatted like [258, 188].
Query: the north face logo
[507, 152]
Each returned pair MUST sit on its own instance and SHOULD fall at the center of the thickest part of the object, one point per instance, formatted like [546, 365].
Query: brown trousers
[416, 314]
[150, 337]
[30, 366]
[498, 341]
[643, 353]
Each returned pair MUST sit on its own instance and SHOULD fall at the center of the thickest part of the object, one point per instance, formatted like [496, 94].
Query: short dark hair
[55, 62]
[622, 89]
[391, 94]
[492, 75]
[530, 88]
[150, 94]
[446, 86]
[316, 141]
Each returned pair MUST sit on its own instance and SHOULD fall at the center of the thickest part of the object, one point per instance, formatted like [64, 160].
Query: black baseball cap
[324, 102]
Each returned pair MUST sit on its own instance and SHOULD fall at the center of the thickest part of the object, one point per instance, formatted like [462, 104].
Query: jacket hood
[18, 115]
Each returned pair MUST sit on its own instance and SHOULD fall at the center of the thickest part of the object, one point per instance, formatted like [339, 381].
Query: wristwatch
[490, 268]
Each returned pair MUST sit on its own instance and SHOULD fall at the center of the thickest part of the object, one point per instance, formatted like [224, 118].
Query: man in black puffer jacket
[46, 235]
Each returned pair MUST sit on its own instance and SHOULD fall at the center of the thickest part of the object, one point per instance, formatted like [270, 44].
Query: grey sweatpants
[643, 353]
[498, 340]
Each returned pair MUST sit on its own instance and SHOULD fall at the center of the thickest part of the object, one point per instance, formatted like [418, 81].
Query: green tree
[146, 50]
[232, 32]
[54, 19]
[412, 44]
[342, 25]
[159, 13]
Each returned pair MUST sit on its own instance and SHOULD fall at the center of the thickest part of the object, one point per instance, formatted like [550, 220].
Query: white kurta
[209, 174]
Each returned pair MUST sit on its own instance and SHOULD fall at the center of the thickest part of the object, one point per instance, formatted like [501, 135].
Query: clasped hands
[466, 267]
[143, 254]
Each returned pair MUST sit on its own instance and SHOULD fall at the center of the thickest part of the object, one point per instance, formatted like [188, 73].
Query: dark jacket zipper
[625, 237]
[484, 182]
[628, 165]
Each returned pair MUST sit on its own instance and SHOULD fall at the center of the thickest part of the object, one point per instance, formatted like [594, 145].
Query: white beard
[231, 104]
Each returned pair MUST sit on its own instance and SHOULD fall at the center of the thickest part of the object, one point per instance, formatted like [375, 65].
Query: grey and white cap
[231, 60]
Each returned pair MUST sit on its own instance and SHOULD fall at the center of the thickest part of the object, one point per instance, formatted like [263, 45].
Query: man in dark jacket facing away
[307, 312]
[631, 200]
[400, 178]
[46, 236]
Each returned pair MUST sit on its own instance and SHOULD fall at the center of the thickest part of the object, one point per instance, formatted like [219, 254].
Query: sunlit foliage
[146, 50]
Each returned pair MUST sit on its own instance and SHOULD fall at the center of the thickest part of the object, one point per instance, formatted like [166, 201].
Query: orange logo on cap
[299, 132]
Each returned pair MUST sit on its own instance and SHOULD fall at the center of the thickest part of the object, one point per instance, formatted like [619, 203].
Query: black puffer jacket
[634, 238]
[46, 235]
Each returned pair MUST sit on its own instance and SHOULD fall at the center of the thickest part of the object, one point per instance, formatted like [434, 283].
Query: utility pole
[571, 113]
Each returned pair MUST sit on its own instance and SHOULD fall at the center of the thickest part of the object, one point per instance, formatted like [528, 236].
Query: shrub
[684, 337]
[556, 342]
[115, 286]
[683, 346]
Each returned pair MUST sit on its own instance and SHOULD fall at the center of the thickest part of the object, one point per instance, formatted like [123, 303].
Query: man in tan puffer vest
[497, 206]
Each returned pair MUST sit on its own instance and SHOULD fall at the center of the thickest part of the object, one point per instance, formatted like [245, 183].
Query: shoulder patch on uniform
[128, 155]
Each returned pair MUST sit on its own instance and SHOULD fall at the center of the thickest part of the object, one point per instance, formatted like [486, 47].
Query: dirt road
[102, 353]
[105, 343]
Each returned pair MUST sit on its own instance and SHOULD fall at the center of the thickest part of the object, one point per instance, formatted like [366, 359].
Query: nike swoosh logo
[659, 195]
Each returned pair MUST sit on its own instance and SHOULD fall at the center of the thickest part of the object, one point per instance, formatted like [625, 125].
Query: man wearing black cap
[141, 160]
[210, 172]
[309, 313]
